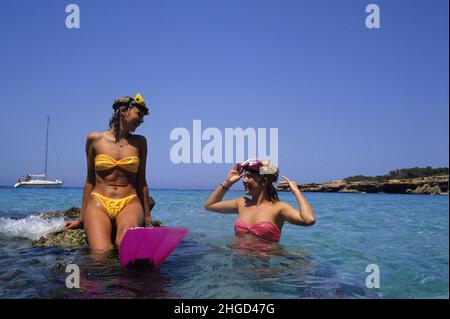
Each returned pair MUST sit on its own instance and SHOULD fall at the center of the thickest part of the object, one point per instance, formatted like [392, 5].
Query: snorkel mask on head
[259, 166]
[137, 101]
[251, 165]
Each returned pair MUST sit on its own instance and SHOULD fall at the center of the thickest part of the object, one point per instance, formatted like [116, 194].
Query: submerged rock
[71, 213]
[66, 238]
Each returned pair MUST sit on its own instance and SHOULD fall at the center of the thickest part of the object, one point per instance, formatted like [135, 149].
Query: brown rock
[71, 237]
[424, 185]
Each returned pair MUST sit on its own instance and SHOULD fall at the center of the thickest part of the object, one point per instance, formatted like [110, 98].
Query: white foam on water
[32, 227]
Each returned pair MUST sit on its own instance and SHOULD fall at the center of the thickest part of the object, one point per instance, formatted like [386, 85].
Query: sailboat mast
[46, 148]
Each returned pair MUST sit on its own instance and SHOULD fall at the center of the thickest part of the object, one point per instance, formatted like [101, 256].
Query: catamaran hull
[39, 184]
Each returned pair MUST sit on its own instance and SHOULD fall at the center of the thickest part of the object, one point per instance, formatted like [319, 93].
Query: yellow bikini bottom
[113, 206]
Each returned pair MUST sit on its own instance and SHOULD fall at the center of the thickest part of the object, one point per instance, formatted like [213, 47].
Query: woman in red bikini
[115, 196]
[262, 215]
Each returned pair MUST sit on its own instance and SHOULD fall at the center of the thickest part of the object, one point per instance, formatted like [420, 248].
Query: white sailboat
[39, 180]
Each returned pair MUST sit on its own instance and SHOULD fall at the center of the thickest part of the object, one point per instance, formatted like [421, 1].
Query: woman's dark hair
[119, 105]
[114, 121]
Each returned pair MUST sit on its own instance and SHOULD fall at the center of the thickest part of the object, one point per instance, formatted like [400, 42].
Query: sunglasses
[141, 108]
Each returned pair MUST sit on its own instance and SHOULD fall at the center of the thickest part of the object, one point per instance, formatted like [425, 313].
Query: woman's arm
[305, 215]
[141, 181]
[215, 203]
[90, 180]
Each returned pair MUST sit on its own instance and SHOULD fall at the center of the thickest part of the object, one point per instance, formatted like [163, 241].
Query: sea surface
[402, 238]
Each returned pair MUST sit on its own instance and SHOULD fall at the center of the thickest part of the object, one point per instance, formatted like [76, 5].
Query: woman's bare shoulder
[93, 136]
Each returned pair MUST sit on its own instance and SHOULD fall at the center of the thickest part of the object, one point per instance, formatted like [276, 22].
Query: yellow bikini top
[104, 162]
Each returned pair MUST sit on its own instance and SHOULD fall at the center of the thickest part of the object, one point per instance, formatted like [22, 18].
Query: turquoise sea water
[406, 236]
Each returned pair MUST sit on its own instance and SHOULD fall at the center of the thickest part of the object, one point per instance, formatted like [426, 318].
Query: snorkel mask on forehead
[259, 166]
[137, 101]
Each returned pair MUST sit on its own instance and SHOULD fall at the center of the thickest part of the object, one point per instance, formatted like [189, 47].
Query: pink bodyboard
[152, 245]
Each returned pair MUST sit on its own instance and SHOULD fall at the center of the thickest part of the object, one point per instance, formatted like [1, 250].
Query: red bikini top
[264, 229]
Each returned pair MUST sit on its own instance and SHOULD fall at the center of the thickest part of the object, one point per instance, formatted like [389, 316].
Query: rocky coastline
[434, 185]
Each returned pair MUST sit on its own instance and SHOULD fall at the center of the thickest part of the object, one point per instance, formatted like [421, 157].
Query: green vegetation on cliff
[415, 172]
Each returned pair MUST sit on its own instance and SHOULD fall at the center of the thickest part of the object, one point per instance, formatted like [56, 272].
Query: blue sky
[346, 100]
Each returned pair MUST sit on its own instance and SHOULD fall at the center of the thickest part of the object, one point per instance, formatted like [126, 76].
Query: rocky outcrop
[426, 185]
[71, 213]
[68, 238]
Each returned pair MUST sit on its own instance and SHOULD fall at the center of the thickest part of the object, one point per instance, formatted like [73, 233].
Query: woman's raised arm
[305, 215]
[215, 203]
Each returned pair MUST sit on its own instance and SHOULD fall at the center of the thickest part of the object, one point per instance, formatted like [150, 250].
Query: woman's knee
[119, 236]
[100, 247]
[131, 216]
[122, 229]
[124, 225]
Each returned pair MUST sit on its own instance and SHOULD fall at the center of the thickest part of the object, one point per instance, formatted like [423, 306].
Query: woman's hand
[305, 215]
[234, 175]
[292, 185]
[73, 224]
[147, 222]
[215, 202]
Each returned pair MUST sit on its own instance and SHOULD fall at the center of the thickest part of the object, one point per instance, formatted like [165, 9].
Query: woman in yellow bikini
[115, 196]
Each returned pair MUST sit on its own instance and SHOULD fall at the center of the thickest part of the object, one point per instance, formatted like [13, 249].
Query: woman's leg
[132, 215]
[98, 226]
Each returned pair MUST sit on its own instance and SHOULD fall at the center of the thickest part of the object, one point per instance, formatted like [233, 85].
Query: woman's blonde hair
[269, 174]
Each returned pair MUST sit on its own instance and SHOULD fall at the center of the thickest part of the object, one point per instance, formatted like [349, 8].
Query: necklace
[122, 143]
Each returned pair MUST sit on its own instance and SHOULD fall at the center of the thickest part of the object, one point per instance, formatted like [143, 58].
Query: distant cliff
[435, 185]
